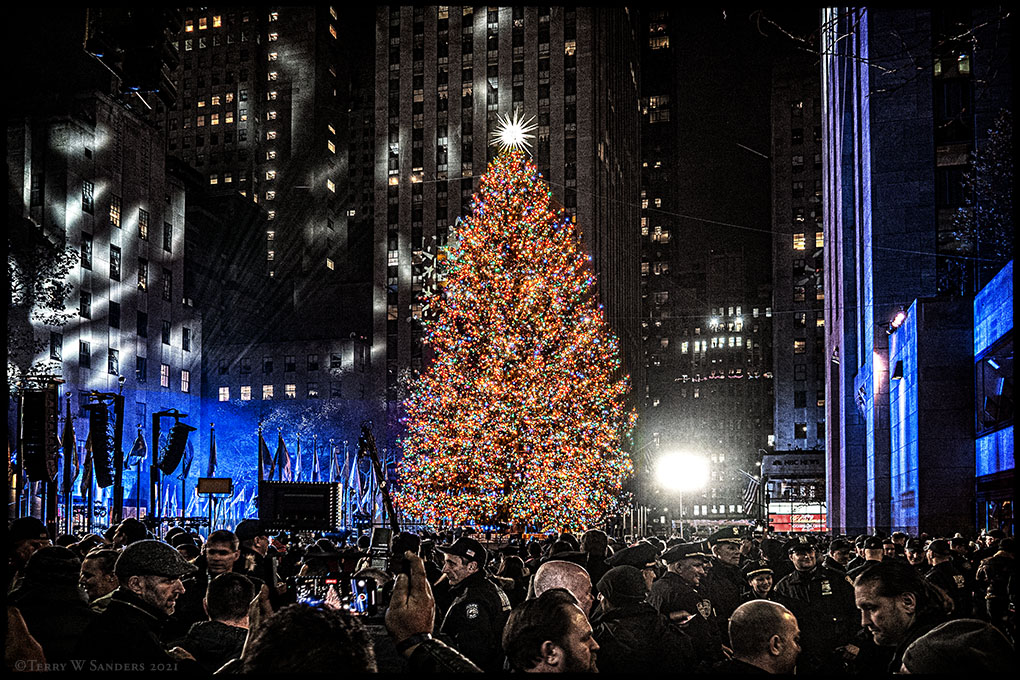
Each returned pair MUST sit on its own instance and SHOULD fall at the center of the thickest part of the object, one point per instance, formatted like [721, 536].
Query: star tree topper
[513, 132]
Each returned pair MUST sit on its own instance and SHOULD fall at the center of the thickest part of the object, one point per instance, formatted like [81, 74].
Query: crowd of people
[258, 600]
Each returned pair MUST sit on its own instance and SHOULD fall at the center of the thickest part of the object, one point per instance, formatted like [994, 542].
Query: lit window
[214, 119]
[273, 56]
[819, 239]
[203, 23]
[228, 178]
[329, 264]
[230, 97]
[332, 12]
[799, 242]
[273, 37]
[224, 394]
[270, 155]
[228, 117]
[271, 95]
[290, 391]
[217, 21]
[270, 174]
[245, 392]
[659, 42]
[332, 30]
[270, 255]
[201, 103]
[164, 375]
[267, 391]
[270, 195]
[331, 185]
[272, 75]
[274, 16]
[215, 100]
[200, 121]
[270, 235]
[189, 26]
[185, 381]
[270, 115]
[331, 146]
[270, 214]
[271, 134]
[332, 130]
[214, 179]
[799, 346]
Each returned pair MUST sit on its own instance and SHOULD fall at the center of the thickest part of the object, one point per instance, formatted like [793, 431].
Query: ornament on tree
[520, 417]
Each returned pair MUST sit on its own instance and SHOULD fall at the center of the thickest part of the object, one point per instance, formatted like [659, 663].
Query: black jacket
[724, 585]
[126, 637]
[635, 639]
[56, 616]
[823, 602]
[948, 578]
[213, 643]
[669, 594]
[474, 622]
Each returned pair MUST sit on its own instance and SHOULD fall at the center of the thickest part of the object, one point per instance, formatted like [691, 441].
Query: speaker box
[215, 486]
[299, 505]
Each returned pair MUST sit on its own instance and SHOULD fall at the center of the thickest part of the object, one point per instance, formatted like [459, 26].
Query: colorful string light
[520, 417]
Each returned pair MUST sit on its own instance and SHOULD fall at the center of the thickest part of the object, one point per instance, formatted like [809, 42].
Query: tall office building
[706, 321]
[906, 95]
[443, 76]
[797, 247]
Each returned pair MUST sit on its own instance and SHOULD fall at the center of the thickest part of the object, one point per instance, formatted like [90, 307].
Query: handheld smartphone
[363, 597]
[322, 591]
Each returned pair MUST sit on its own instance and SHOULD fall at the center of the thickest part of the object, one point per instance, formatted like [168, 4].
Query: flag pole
[68, 464]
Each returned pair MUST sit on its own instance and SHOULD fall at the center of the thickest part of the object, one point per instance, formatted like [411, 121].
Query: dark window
[313, 362]
[800, 431]
[143, 224]
[113, 362]
[186, 339]
[114, 315]
[140, 369]
[168, 236]
[289, 364]
[84, 354]
[336, 360]
[245, 365]
[168, 284]
[267, 365]
[221, 366]
[166, 333]
[86, 250]
[800, 399]
[142, 325]
[115, 263]
[334, 390]
[56, 345]
[36, 191]
[143, 274]
[85, 307]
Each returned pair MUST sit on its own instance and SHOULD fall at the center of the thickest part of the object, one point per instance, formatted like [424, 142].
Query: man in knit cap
[964, 648]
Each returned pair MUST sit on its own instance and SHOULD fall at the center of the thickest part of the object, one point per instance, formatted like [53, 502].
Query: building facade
[443, 76]
[898, 125]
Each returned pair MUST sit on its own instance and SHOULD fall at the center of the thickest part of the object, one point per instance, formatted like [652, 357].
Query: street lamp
[682, 471]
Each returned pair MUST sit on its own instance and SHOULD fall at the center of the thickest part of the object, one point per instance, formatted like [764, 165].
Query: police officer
[479, 609]
[947, 577]
[640, 556]
[724, 584]
[873, 552]
[758, 576]
[838, 556]
[823, 602]
[915, 555]
[676, 595]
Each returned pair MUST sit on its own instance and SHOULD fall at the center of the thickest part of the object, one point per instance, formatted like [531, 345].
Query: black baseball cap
[468, 548]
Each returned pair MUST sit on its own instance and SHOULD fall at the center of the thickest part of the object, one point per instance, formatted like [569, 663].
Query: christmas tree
[520, 417]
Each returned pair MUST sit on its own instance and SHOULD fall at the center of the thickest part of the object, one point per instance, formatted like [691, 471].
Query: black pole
[68, 464]
[117, 514]
[154, 472]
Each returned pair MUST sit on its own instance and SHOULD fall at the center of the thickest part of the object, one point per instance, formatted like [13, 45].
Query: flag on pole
[265, 459]
[192, 504]
[297, 460]
[750, 496]
[315, 465]
[252, 509]
[282, 459]
[212, 451]
[356, 492]
[70, 451]
[189, 458]
[86, 476]
[139, 451]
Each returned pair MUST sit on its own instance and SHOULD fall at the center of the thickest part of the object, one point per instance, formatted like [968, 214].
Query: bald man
[764, 636]
[568, 575]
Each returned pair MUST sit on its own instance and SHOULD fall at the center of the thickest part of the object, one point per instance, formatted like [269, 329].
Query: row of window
[114, 218]
[141, 366]
[800, 240]
[312, 363]
[289, 391]
[85, 308]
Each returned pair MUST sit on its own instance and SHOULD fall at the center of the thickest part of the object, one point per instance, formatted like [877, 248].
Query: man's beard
[573, 663]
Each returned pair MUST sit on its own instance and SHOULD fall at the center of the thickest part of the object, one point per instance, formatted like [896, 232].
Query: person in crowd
[128, 632]
[641, 556]
[632, 636]
[873, 552]
[220, 639]
[994, 576]
[219, 556]
[764, 637]
[947, 577]
[129, 531]
[838, 556]
[97, 577]
[898, 606]
[550, 634]
[915, 555]
[758, 577]
[55, 610]
[823, 602]
[516, 575]
[255, 560]
[857, 558]
[479, 608]
[22, 652]
[962, 648]
[568, 575]
[304, 639]
[25, 536]
[724, 584]
[87, 544]
[989, 541]
[595, 544]
[677, 595]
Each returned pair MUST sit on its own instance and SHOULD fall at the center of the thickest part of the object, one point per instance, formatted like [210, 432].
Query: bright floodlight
[682, 471]
[513, 132]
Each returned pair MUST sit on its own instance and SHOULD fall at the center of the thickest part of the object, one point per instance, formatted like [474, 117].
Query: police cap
[801, 544]
[686, 550]
[641, 556]
[726, 535]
